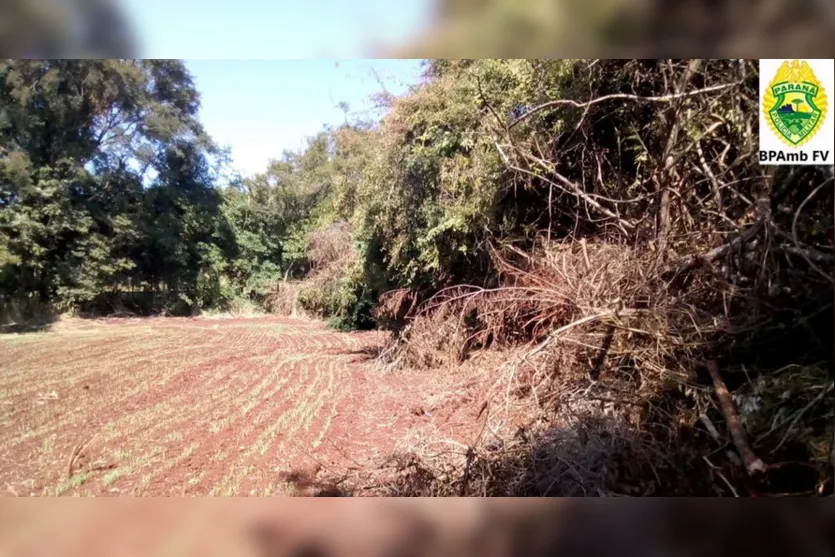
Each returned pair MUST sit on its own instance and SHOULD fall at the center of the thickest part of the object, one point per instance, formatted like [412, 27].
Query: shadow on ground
[20, 328]
[25, 316]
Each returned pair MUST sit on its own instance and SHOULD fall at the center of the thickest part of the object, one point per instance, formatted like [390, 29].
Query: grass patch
[71, 483]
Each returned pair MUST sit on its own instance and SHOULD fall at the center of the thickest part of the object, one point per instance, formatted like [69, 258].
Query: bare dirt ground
[243, 406]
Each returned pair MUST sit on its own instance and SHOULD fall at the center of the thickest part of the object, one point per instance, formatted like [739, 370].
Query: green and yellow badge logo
[794, 103]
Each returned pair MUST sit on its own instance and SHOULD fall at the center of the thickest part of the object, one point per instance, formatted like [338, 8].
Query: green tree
[87, 148]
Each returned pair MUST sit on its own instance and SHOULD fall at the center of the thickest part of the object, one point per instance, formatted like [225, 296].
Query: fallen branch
[719, 473]
[717, 187]
[711, 429]
[585, 253]
[692, 261]
[751, 461]
[809, 254]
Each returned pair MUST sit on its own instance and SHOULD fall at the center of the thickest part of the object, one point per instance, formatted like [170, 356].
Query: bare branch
[576, 190]
[812, 265]
[694, 260]
[625, 96]
[752, 462]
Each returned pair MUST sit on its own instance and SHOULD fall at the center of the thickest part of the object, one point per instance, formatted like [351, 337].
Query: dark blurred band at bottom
[414, 527]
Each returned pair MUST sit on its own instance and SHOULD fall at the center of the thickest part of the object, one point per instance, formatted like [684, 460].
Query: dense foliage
[110, 197]
[106, 180]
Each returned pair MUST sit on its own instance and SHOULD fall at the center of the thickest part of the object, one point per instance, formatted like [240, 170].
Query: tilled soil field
[200, 406]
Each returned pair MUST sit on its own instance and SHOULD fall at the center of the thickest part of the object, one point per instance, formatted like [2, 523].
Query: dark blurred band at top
[480, 28]
[65, 29]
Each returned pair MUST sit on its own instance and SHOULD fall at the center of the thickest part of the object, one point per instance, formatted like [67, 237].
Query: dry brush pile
[672, 326]
[330, 256]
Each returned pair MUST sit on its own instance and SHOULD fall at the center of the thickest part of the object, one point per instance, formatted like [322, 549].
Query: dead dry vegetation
[667, 335]
[629, 373]
[612, 358]
[330, 256]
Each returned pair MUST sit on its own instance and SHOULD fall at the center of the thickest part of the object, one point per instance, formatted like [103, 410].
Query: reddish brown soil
[169, 406]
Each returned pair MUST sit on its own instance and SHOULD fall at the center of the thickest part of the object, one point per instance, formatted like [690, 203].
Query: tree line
[111, 188]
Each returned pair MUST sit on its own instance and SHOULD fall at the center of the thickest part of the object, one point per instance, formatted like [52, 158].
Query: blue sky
[259, 108]
[271, 73]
